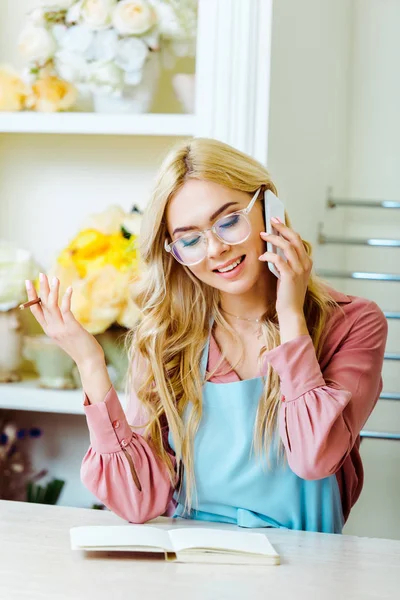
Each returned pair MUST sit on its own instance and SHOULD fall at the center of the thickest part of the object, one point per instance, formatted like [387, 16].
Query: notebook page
[119, 536]
[224, 540]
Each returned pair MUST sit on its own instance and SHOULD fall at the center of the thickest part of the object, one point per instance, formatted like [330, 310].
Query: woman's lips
[233, 272]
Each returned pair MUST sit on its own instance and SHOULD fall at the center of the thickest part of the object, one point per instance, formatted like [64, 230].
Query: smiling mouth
[232, 266]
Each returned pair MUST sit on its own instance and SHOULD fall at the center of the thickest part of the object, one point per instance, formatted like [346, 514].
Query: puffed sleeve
[322, 413]
[120, 467]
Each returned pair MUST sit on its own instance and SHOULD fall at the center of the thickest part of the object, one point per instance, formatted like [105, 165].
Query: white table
[36, 563]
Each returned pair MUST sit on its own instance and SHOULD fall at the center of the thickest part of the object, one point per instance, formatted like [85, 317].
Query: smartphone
[273, 208]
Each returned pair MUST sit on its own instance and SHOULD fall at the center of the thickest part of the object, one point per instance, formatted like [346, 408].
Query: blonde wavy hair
[177, 309]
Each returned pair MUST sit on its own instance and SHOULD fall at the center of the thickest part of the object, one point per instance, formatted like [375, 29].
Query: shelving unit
[26, 395]
[98, 124]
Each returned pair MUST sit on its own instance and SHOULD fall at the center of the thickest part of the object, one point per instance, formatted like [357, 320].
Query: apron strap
[204, 358]
[206, 350]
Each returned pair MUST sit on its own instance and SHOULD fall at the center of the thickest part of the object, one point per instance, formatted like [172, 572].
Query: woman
[247, 394]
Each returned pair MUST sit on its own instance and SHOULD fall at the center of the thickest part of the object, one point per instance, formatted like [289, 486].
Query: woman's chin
[239, 286]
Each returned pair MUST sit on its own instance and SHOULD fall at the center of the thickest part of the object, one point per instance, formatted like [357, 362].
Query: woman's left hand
[294, 274]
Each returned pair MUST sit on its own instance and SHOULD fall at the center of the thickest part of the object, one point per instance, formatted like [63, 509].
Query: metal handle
[380, 435]
[389, 396]
[391, 315]
[379, 242]
[360, 275]
[359, 203]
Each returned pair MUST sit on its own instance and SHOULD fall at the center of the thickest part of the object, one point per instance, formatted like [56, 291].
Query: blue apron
[233, 485]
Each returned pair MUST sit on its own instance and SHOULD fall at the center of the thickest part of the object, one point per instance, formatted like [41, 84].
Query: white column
[233, 73]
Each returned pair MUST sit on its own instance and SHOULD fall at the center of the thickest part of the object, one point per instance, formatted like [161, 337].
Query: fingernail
[54, 281]
[276, 220]
[68, 290]
[41, 276]
[28, 284]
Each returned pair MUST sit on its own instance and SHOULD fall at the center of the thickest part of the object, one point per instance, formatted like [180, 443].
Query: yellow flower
[99, 299]
[101, 265]
[130, 314]
[13, 91]
[51, 94]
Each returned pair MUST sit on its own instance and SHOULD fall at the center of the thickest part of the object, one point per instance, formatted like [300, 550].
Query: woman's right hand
[58, 322]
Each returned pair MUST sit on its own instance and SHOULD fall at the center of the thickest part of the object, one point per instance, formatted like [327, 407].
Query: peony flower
[133, 78]
[59, 32]
[36, 44]
[51, 94]
[74, 13]
[131, 54]
[134, 17]
[77, 39]
[13, 90]
[105, 77]
[70, 66]
[97, 14]
[16, 265]
[104, 46]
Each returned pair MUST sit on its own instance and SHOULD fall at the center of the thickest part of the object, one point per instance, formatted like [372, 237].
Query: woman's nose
[215, 246]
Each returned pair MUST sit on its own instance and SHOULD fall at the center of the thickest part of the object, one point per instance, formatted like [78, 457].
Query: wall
[374, 159]
[334, 122]
[311, 44]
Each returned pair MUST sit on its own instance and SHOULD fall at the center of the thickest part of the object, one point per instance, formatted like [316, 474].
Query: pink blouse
[324, 406]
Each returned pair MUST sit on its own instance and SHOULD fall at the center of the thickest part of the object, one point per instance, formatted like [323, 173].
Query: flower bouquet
[101, 264]
[107, 48]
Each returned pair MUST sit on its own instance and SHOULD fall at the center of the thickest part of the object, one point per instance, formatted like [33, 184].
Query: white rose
[131, 54]
[36, 17]
[36, 44]
[105, 78]
[134, 17]
[97, 14]
[105, 44]
[58, 4]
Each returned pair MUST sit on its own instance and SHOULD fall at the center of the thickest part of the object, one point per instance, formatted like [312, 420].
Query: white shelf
[97, 124]
[25, 395]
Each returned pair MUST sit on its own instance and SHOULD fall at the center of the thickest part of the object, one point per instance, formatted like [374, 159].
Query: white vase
[135, 99]
[184, 88]
[11, 346]
[52, 364]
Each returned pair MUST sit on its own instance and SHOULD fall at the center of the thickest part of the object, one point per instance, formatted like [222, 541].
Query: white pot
[135, 99]
[11, 346]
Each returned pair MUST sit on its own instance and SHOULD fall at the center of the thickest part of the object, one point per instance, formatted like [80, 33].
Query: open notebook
[188, 544]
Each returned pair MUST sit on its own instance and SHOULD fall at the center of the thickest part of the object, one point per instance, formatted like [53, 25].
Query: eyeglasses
[235, 228]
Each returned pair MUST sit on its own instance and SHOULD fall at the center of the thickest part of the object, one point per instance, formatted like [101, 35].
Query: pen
[30, 303]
